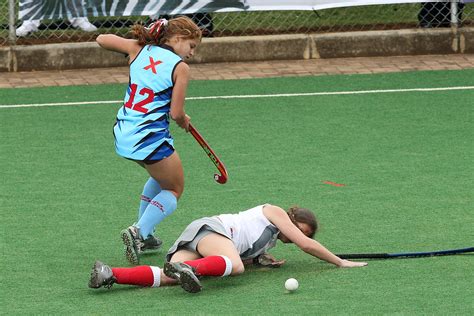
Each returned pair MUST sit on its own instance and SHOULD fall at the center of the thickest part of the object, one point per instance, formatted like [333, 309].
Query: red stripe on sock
[212, 265]
[141, 275]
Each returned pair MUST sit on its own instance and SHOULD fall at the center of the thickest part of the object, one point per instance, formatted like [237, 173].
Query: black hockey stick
[404, 254]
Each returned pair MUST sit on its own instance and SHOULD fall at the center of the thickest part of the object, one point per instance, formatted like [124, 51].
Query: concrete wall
[466, 41]
[383, 43]
[248, 48]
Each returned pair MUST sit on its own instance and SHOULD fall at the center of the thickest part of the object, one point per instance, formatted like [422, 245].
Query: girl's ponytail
[160, 31]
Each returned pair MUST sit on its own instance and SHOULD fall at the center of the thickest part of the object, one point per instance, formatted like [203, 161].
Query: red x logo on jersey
[152, 65]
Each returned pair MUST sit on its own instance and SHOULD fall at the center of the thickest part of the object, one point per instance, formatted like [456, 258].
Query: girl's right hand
[185, 126]
[184, 122]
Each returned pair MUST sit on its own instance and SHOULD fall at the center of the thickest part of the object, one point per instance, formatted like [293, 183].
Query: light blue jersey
[142, 128]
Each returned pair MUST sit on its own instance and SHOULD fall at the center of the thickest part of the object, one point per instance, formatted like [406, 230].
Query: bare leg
[169, 174]
[184, 255]
[217, 245]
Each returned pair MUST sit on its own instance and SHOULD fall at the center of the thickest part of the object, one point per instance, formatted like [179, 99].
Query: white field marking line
[31, 105]
[250, 96]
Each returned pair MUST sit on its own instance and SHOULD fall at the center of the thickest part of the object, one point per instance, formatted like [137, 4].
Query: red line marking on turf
[334, 184]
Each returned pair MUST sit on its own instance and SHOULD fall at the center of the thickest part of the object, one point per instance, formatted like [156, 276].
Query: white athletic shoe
[28, 27]
[83, 24]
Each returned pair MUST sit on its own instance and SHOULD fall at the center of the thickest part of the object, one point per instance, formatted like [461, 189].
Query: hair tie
[155, 28]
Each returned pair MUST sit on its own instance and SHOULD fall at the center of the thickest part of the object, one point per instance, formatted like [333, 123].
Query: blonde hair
[303, 215]
[162, 30]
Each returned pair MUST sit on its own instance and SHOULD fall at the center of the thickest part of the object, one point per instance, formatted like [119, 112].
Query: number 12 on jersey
[139, 106]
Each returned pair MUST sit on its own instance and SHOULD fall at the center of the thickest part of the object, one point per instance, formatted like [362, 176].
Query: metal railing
[361, 18]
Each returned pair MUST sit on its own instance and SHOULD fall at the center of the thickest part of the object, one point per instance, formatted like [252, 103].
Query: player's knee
[177, 193]
[237, 268]
[178, 190]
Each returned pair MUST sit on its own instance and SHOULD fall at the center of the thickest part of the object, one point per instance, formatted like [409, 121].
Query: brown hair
[160, 31]
[303, 215]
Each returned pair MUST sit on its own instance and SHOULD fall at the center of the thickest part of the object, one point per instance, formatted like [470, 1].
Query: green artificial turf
[405, 160]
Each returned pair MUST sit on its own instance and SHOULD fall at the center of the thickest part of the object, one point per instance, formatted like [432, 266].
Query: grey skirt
[195, 231]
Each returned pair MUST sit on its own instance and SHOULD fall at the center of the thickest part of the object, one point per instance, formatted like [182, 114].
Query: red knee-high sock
[141, 275]
[212, 265]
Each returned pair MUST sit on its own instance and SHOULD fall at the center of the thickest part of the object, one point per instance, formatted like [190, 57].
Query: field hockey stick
[405, 254]
[220, 178]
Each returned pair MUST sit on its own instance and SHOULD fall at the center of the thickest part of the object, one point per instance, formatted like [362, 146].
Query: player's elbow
[306, 247]
[104, 40]
[100, 39]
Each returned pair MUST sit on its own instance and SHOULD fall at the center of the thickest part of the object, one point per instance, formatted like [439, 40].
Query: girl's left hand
[351, 264]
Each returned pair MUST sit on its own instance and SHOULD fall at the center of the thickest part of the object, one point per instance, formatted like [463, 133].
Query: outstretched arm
[280, 219]
[119, 44]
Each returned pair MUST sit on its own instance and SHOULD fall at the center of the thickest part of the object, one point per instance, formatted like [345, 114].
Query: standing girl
[156, 92]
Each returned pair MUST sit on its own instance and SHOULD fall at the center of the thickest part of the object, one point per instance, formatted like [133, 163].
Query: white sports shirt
[250, 231]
